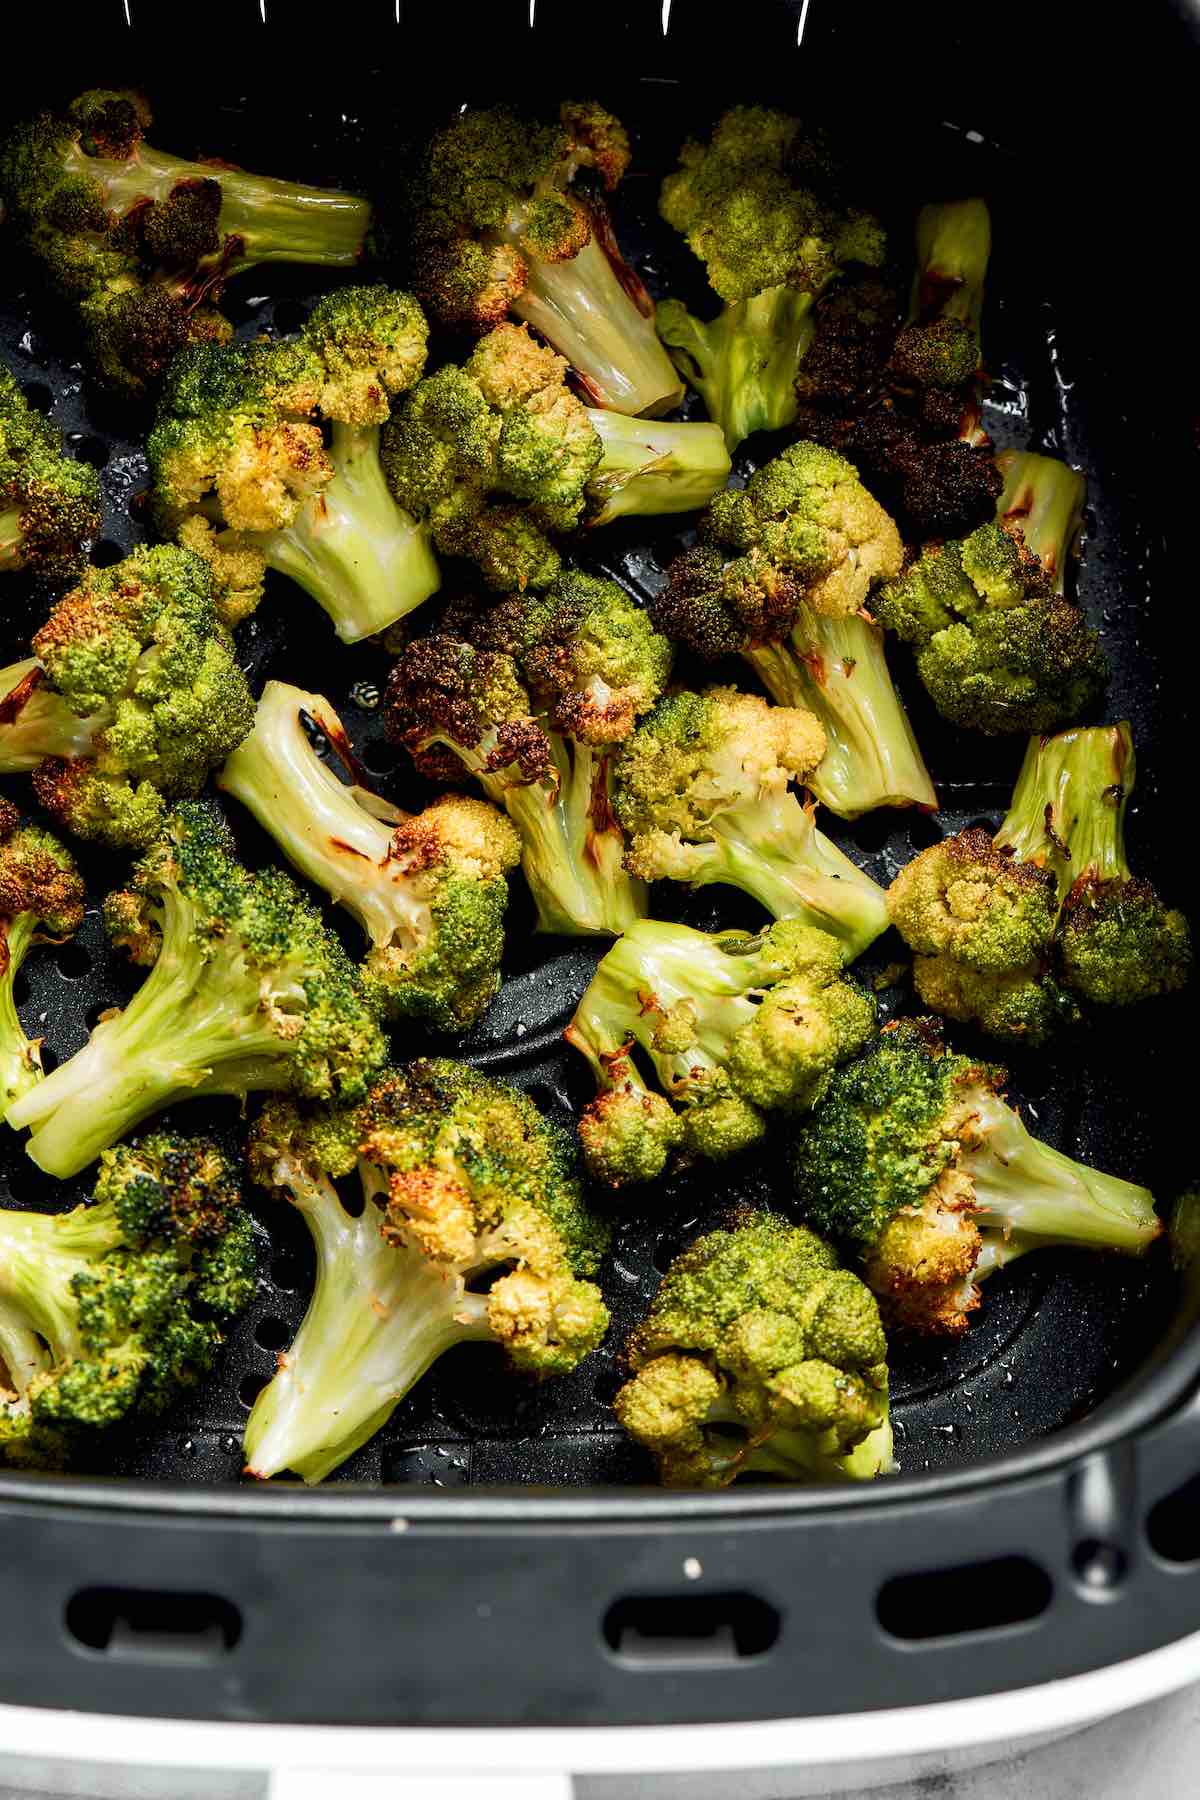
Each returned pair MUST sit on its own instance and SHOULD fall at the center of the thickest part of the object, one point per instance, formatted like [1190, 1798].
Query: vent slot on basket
[652, 1630]
[1173, 1525]
[983, 1596]
[145, 1625]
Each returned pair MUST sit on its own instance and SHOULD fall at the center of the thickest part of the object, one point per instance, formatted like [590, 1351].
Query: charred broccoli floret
[756, 205]
[734, 1027]
[132, 696]
[759, 1356]
[428, 889]
[242, 474]
[142, 243]
[473, 1231]
[1118, 941]
[530, 696]
[999, 648]
[247, 991]
[917, 1164]
[703, 792]
[509, 217]
[49, 505]
[41, 901]
[499, 458]
[110, 1311]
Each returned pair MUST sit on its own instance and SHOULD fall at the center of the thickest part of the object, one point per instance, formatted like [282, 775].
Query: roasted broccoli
[756, 206]
[110, 1311]
[998, 646]
[1118, 941]
[734, 1026]
[142, 243]
[473, 1230]
[49, 505]
[916, 1163]
[242, 474]
[247, 991]
[703, 792]
[41, 901]
[759, 1356]
[499, 457]
[530, 697]
[508, 216]
[428, 889]
[134, 693]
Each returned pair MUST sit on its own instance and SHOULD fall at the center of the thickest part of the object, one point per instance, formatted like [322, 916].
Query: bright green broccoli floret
[500, 457]
[428, 889]
[41, 901]
[529, 696]
[759, 1355]
[143, 243]
[112, 1310]
[49, 505]
[242, 474]
[998, 646]
[914, 1161]
[463, 1179]
[704, 794]
[134, 693]
[1118, 941]
[247, 991]
[755, 205]
[509, 216]
[734, 1026]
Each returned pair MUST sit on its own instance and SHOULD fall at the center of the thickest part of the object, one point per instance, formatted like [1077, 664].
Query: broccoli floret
[998, 646]
[1118, 941]
[49, 505]
[428, 889]
[473, 1231]
[917, 1164]
[41, 901]
[703, 792]
[499, 458]
[247, 991]
[133, 695]
[143, 243]
[242, 475]
[529, 697]
[759, 1356]
[755, 205]
[112, 1310]
[509, 217]
[734, 1026]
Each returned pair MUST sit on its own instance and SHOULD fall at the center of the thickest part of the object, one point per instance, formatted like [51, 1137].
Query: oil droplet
[946, 1431]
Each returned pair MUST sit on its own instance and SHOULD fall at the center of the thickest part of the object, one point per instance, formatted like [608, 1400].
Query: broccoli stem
[581, 307]
[954, 241]
[837, 669]
[12, 538]
[40, 1255]
[273, 221]
[1067, 812]
[1023, 1186]
[36, 723]
[380, 1315]
[572, 849]
[20, 1059]
[1044, 499]
[23, 1353]
[743, 363]
[650, 468]
[358, 554]
[795, 1456]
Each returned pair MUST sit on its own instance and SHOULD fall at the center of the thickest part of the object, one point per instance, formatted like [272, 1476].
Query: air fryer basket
[496, 1555]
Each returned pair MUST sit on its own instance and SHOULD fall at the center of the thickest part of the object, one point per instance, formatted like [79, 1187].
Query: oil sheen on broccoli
[915, 1163]
[472, 1229]
[759, 1356]
[41, 902]
[733, 1026]
[111, 1311]
[428, 889]
[247, 991]
[132, 695]
[49, 505]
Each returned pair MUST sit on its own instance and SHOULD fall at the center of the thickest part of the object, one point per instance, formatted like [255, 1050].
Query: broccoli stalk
[36, 723]
[647, 468]
[1043, 500]
[743, 363]
[41, 901]
[247, 992]
[20, 1058]
[836, 669]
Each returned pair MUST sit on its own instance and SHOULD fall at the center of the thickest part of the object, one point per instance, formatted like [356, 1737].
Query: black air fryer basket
[498, 1554]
